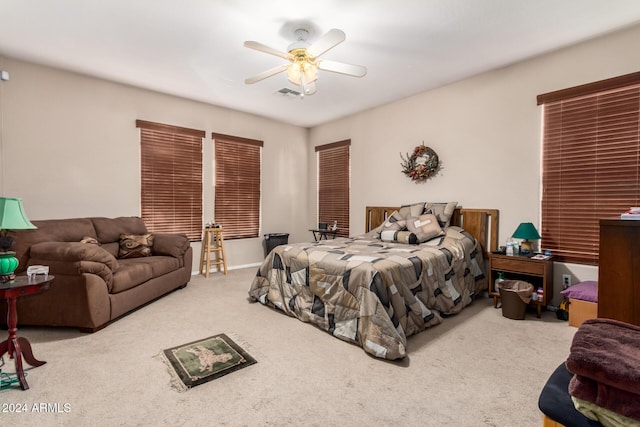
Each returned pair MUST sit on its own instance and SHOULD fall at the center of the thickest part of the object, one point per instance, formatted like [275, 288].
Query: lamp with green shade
[12, 217]
[526, 231]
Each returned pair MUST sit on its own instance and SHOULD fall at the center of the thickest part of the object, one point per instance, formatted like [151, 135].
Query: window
[334, 176]
[237, 187]
[590, 163]
[171, 178]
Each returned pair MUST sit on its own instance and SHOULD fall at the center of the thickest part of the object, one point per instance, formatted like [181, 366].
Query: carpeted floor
[475, 369]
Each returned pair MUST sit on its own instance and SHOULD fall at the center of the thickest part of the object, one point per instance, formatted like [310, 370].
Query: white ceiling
[194, 48]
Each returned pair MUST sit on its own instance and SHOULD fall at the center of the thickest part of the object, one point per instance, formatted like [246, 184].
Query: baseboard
[235, 267]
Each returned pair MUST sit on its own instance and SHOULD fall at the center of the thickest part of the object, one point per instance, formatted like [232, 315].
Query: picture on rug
[204, 360]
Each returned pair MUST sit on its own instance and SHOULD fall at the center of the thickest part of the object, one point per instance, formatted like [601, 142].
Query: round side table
[18, 347]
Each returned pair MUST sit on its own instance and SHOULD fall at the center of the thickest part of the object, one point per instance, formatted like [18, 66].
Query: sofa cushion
[135, 245]
[71, 252]
[52, 230]
[131, 273]
[174, 245]
[135, 271]
[160, 264]
[112, 248]
[108, 230]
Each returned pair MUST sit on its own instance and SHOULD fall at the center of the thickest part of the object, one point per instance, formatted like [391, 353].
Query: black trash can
[274, 239]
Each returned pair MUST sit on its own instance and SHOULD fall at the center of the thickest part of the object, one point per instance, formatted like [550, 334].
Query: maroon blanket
[605, 361]
[607, 351]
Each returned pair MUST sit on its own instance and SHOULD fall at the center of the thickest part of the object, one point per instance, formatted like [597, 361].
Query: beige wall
[486, 131]
[70, 148]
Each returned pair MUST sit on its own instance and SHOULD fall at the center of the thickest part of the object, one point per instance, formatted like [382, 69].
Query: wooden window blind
[590, 163]
[237, 187]
[334, 176]
[171, 178]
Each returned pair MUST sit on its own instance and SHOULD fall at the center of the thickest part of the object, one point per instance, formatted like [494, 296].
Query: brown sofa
[93, 285]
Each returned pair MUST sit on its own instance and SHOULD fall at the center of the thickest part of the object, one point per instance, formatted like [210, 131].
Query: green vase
[8, 263]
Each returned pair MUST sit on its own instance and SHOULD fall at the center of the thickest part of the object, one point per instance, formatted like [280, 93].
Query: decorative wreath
[421, 165]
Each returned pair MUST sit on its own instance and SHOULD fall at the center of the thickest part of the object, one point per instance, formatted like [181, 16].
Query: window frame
[333, 195]
[590, 163]
[231, 204]
[169, 156]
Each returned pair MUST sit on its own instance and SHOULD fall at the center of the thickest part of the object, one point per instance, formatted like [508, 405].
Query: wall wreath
[421, 165]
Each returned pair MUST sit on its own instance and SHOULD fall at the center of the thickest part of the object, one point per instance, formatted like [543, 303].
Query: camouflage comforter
[372, 293]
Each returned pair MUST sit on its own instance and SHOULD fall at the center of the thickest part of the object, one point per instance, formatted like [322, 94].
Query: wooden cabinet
[537, 272]
[619, 270]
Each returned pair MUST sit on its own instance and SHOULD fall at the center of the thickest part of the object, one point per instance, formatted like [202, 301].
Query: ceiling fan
[303, 66]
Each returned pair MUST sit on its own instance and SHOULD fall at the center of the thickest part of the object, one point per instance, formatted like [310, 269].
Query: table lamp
[526, 231]
[12, 217]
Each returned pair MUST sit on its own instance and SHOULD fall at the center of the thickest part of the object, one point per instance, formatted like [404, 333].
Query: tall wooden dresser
[619, 270]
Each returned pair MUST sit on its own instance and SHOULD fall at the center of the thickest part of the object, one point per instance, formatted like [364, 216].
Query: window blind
[171, 178]
[237, 186]
[590, 163]
[334, 176]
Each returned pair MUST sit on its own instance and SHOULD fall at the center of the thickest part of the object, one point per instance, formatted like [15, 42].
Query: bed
[375, 291]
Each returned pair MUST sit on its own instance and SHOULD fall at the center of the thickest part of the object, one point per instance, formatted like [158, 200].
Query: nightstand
[517, 267]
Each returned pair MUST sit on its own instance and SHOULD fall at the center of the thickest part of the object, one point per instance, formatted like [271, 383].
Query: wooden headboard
[480, 223]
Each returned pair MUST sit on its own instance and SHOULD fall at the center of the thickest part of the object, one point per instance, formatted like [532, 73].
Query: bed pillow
[425, 227]
[394, 222]
[399, 237]
[135, 245]
[443, 211]
[412, 210]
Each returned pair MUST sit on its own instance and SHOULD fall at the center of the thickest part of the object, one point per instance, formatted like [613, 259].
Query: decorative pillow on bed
[399, 237]
[425, 227]
[412, 210]
[441, 210]
[135, 245]
[394, 222]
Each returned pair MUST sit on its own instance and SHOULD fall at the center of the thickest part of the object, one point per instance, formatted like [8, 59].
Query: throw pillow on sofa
[90, 240]
[135, 245]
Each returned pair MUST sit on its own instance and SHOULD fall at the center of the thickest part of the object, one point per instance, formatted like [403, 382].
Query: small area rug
[204, 360]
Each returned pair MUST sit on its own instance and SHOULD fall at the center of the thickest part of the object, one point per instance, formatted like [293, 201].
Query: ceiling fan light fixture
[302, 69]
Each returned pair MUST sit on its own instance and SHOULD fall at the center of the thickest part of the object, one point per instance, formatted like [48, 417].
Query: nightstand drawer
[521, 265]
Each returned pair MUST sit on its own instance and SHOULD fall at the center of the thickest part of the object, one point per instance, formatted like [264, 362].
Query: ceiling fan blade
[265, 74]
[342, 68]
[266, 49]
[331, 39]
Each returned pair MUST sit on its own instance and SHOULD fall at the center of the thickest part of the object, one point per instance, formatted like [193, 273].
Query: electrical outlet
[566, 281]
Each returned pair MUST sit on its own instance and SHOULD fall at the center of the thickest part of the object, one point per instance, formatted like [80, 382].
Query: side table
[319, 234]
[537, 272]
[18, 347]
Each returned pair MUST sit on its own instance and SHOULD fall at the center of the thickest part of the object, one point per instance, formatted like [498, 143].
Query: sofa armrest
[174, 245]
[60, 252]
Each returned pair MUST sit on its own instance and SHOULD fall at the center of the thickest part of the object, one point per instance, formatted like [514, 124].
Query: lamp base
[526, 246]
[8, 265]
